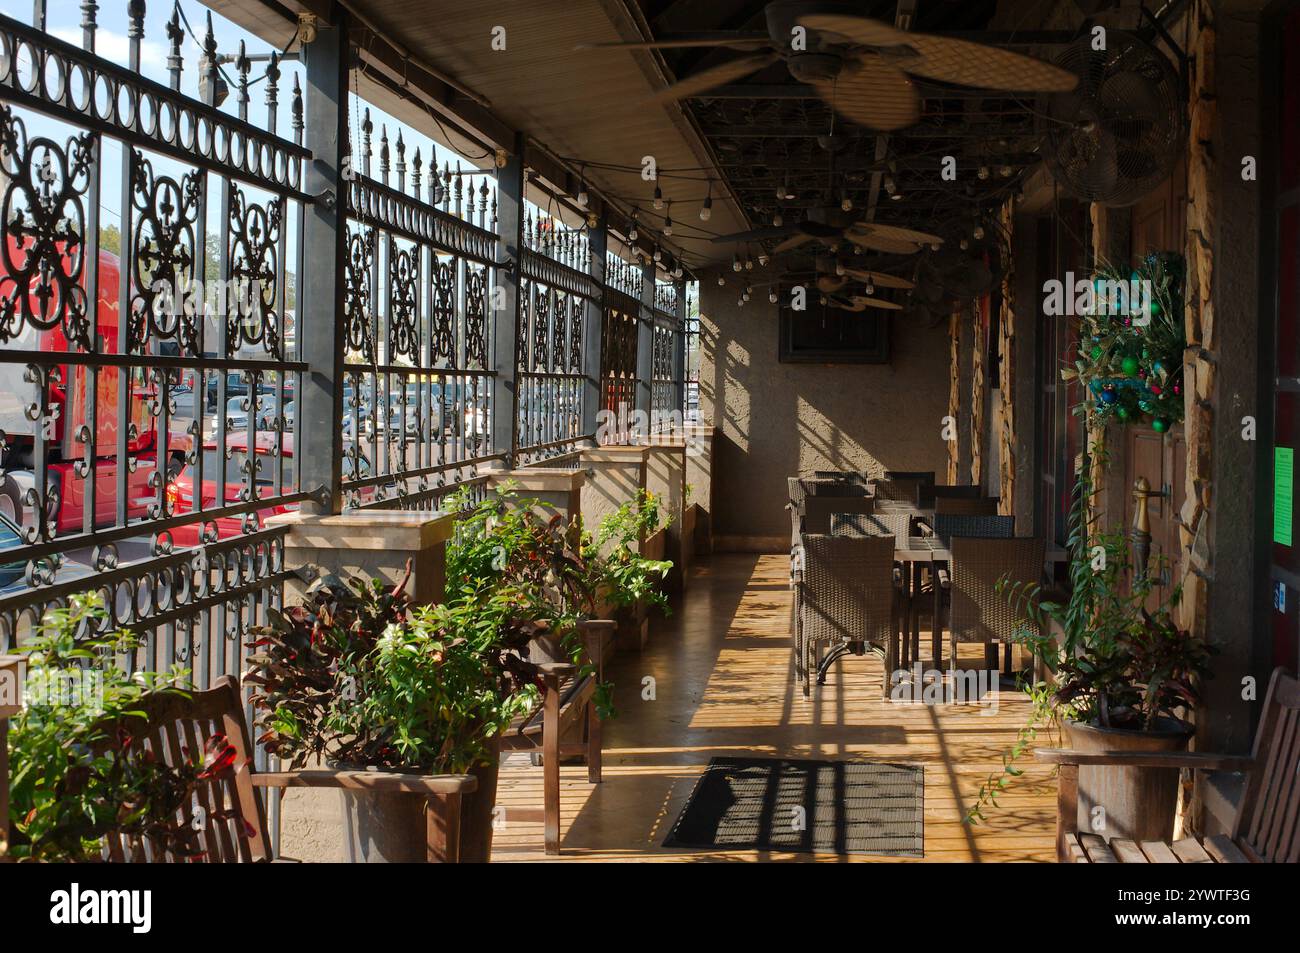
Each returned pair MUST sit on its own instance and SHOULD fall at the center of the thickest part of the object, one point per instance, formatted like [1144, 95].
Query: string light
[777, 220]
[632, 232]
[735, 263]
[721, 281]
[706, 210]
[583, 198]
[771, 296]
[659, 197]
[668, 220]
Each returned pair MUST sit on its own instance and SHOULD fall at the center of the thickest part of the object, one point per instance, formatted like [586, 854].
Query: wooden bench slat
[1126, 851]
[1099, 851]
[1190, 851]
[1224, 851]
[1077, 854]
[1158, 852]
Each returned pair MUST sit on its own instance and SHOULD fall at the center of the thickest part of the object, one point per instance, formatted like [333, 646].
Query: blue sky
[64, 21]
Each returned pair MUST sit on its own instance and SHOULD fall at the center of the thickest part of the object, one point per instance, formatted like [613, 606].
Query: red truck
[67, 414]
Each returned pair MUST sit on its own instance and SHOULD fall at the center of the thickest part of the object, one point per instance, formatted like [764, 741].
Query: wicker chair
[885, 523]
[927, 493]
[846, 601]
[818, 510]
[978, 612]
[948, 525]
[959, 507]
[844, 476]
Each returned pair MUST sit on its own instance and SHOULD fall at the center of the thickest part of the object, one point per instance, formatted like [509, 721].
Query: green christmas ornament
[1095, 353]
[1121, 412]
[1129, 366]
[1159, 425]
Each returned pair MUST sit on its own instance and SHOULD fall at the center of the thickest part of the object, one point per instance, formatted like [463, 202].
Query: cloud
[115, 46]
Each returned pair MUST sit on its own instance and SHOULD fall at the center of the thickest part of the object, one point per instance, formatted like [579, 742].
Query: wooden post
[505, 331]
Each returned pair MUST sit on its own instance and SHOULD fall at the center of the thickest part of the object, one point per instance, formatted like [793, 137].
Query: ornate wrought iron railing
[147, 389]
[557, 298]
[417, 331]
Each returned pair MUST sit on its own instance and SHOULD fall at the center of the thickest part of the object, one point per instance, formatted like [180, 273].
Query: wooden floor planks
[722, 686]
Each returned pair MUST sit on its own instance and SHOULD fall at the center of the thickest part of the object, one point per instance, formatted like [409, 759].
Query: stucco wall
[776, 419]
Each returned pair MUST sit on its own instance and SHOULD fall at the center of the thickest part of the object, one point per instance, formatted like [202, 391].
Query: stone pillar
[10, 699]
[699, 485]
[374, 543]
[666, 479]
[560, 488]
[614, 475]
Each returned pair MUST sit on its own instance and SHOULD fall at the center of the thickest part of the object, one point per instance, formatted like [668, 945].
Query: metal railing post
[598, 244]
[679, 348]
[505, 319]
[645, 340]
[319, 449]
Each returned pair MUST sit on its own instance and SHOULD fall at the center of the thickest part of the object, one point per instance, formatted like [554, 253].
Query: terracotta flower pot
[1135, 803]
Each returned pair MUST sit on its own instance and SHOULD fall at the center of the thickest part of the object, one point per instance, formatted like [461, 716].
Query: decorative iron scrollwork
[403, 304]
[254, 270]
[42, 233]
[357, 319]
[476, 316]
[164, 256]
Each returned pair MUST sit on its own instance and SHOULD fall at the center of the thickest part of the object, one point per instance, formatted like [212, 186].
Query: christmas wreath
[1131, 343]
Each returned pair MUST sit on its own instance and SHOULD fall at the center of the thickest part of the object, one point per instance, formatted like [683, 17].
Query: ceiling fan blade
[895, 233]
[756, 234]
[986, 67]
[714, 76]
[888, 246]
[871, 92]
[862, 30]
[679, 41]
[793, 241]
[879, 303]
[879, 279]
[819, 230]
[829, 284]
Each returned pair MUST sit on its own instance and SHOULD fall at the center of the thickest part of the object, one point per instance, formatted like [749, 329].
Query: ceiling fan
[860, 66]
[832, 226]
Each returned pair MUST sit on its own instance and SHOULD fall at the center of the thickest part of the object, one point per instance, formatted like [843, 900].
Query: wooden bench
[1266, 828]
[172, 722]
[565, 724]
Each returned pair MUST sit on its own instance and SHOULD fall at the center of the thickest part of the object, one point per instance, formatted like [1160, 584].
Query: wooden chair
[171, 722]
[564, 725]
[1266, 828]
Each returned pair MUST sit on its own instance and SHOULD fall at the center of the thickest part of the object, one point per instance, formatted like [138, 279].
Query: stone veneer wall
[1198, 369]
[775, 419]
[1005, 424]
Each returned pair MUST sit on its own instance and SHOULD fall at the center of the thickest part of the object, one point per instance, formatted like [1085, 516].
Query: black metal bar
[320, 293]
[644, 400]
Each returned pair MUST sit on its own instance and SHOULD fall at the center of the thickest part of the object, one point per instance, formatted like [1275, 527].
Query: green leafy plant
[1132, 363]
[360, 676]
[79, 767]
[1113, 662]
[622, 574]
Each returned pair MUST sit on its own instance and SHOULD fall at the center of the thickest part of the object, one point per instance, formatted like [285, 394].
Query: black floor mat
[825, 807]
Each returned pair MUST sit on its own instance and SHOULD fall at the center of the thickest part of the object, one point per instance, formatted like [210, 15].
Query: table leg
[937, 627]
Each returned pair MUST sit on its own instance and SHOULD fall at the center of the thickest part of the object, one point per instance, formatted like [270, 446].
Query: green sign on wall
[1283, 482]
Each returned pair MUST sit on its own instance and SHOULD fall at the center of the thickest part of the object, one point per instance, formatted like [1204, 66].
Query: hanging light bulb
[983, 172]
[659, 256]
[871, 287]
[668, 220]
[964, 244]
[839, 268]
[890, 185]
[659, 197]
[677, 270]
[721, 281]
[763, 259]
[777, 220]
[771, 296]
[978, 232]
[846, 203]
[740, 302]
[1005, 171]
[749, 263]
[785, 192]
[821, 298]
[583, 198]
[706, 210]
[632, 232]
[735, 263]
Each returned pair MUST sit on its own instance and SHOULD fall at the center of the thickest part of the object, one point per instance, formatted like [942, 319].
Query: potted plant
[79, 771]
[625, 552]
[361, 678]
[1121, 677]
